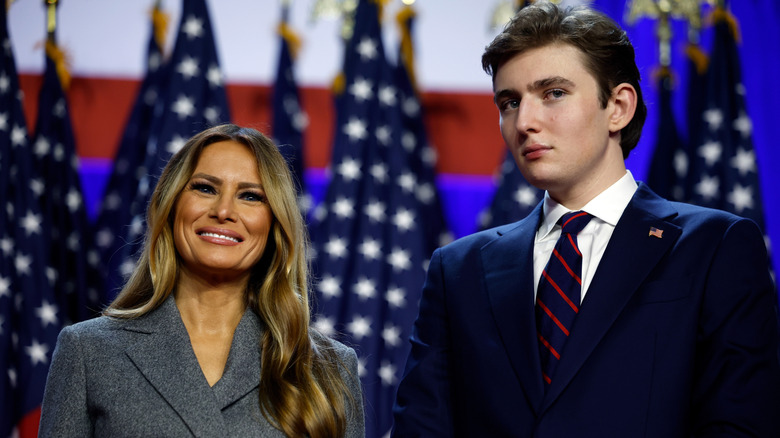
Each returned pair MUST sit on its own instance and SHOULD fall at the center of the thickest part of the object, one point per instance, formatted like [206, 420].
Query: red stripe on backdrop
[28, 427]
[463, 127]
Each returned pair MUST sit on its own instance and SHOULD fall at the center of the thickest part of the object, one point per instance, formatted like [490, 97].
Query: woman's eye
[203, 188]
[252, 196]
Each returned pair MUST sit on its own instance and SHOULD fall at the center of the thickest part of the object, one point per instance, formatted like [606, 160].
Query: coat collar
[162, 352]
[629, 257]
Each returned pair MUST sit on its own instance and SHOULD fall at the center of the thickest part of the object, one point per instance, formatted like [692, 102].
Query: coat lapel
[630, 256]
[164, 355]
[508, 265]
[242, 370]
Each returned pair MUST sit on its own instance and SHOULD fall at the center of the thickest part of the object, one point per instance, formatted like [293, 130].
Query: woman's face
[222, 217]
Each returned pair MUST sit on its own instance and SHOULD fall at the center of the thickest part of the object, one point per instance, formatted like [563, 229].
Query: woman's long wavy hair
[301, 390]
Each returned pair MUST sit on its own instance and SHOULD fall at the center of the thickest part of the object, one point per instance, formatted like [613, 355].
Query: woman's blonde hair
[301, 389]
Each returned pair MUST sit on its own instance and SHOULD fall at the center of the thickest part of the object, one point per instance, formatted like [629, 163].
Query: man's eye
[510, 104]
[556, 93]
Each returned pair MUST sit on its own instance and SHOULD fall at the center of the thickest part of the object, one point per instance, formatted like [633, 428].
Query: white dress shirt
[606, 209]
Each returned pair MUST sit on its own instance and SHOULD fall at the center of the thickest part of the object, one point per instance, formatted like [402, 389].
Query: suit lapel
[508, 265]
[242, 370]
[630, 256]
[164, 355]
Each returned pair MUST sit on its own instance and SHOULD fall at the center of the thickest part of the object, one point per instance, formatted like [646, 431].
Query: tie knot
[574, 222]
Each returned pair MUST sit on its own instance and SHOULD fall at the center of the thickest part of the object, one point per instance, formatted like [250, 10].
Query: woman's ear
[622, 106]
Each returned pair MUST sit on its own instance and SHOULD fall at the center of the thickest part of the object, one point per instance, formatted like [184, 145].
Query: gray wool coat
[140, 378]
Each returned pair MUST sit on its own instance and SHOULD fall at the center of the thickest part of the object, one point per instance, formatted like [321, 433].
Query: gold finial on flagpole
[328, 9]
[51, 17]
[502, 13]
[664, 11]
[506, 9]
[689, 10]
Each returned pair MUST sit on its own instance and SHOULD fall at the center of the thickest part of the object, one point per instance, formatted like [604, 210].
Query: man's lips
[534, 151]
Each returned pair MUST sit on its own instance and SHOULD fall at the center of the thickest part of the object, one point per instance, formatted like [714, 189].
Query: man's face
[551, 118]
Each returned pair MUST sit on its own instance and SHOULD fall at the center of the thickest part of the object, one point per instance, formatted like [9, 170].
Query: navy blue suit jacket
[677, 336]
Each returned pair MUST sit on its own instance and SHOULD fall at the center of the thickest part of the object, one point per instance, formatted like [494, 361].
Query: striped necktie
[558, 295]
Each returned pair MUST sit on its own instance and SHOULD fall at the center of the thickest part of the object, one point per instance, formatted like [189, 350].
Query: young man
[656, 319]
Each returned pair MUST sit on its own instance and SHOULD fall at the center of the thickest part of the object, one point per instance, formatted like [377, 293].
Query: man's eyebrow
[506, 92]
[550, 82]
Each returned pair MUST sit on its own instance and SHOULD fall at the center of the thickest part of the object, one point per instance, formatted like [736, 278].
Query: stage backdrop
[105, 43]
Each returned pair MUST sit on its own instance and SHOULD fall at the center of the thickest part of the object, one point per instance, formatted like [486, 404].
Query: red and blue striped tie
[558, 295]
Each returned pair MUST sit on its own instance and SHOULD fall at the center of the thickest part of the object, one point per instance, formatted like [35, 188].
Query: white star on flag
[356, 129]
[329, 286]
[336, 247]
[375, 210]
[31, 223]
[404, 219]
[360, 327]
[714, 118]
[391, 335]
[370, 249]
[744, 161]
[399, 259]
[367, 49]
[361, 89]
[365, 288]
[344, 208]
[741, 197]
[387, 373]
[188, 68]
[184, 107]
[708, 186]
[47, 313]
[711, 152]
[349, 169]
[193, 27]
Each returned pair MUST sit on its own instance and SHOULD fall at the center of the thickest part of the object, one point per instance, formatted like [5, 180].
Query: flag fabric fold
[74, 268]
[669, 165]
[414, 139]
[30, 315]
[369, 239]
[191, 98]
[289, 120]
[113, 221]
[513, 199]
[723, 169]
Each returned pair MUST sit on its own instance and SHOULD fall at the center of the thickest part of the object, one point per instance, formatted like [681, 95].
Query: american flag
[370, 243]
[115, 216]
[723, 168]
[29, 315]
[289, 120]
[74, 269]
[669, 165]
[514, 197]
[192, 97]
[414, 138]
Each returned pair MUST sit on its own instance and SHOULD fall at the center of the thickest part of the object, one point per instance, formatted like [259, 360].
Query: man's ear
[622, 106]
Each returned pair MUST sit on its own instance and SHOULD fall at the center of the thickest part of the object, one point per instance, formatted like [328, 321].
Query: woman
[210, 336]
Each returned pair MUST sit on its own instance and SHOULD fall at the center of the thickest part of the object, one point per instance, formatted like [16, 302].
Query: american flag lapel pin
[655, 232]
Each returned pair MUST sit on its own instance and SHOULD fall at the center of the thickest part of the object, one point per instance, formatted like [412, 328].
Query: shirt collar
[608, 205]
